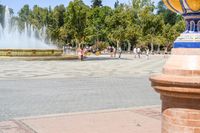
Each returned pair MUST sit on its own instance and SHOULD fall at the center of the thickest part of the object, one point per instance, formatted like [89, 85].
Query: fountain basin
[30, 52]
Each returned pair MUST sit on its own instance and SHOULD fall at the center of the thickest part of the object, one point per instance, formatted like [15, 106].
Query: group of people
[113, 51]
[137, 52]
[83, 51]
[67, 49]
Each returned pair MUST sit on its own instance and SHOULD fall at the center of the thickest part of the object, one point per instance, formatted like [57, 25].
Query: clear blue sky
[18, 4]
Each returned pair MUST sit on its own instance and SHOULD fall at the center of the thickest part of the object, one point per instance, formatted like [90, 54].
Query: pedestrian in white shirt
[135, 52]
[138, 52]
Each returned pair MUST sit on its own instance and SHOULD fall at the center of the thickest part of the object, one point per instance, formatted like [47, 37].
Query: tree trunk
[78, 45]
[152, 48]
[118, 43]
[129, 46]
[158, 50]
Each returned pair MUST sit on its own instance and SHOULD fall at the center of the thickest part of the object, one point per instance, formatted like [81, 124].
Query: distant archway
[198, 26]
[187, 26]
[192, 26]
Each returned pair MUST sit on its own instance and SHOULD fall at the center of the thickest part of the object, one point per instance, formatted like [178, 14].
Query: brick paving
[110, 121]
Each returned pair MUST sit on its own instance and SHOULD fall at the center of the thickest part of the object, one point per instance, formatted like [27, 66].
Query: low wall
[30, 52]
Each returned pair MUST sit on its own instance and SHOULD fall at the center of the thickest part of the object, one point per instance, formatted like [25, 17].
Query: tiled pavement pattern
[110, 121]
[92, 67]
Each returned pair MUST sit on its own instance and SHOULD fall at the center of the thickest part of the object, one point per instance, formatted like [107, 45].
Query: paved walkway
[102, 66]
[135, 120]
[33, 97]
[99, 83]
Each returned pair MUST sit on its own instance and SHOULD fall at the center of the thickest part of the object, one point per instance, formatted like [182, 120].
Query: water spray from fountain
[29, 38]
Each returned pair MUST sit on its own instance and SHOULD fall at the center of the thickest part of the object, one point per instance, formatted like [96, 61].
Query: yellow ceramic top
[183, 6]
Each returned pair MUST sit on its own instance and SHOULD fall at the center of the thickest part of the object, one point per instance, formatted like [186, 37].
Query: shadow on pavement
[103, 58]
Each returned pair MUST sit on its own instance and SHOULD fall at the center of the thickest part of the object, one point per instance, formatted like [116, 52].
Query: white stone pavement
[101, 66]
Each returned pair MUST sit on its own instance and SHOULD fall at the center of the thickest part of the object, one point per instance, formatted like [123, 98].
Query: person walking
[111, 51]
[114, 52]
[120, 52]
[82, 54]
[165, 52]
[138, 52]
[147, 53]
[64, 50]
[135, 52]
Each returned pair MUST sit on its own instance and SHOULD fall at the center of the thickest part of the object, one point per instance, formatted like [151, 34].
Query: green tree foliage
[96, 3]
[116, 4]
[24, 13]
[55, 22]
[2, 9]
[151, 26]
[169, 17]
[75, 21]
[96, 24]
[117, 24]
[2, 12]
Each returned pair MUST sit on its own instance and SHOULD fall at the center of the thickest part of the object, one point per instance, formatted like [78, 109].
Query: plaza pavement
[102, 66]
[39, 88]
[132, 120]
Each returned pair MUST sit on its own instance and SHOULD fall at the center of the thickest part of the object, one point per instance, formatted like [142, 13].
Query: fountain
[27, 42]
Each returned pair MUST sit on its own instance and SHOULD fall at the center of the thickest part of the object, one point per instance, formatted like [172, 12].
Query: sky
[18, 4]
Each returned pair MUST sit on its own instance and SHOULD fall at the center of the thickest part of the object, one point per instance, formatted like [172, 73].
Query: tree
[56, 23]
[75, 20]
[139, 4]
[151, 26]
[170, 33]
[117, 25]
[38, 16]
[24, 13]
[96, 3]
[2, 10]
[96, 26]
[116, 4]
[168, 16]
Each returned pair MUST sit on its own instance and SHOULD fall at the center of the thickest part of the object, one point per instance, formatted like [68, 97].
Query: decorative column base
[179, 87]
[179, 120]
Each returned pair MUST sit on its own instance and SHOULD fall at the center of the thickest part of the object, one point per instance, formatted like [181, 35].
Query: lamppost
[179, 82]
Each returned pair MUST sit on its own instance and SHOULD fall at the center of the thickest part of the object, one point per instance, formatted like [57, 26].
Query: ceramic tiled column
[179, 83]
